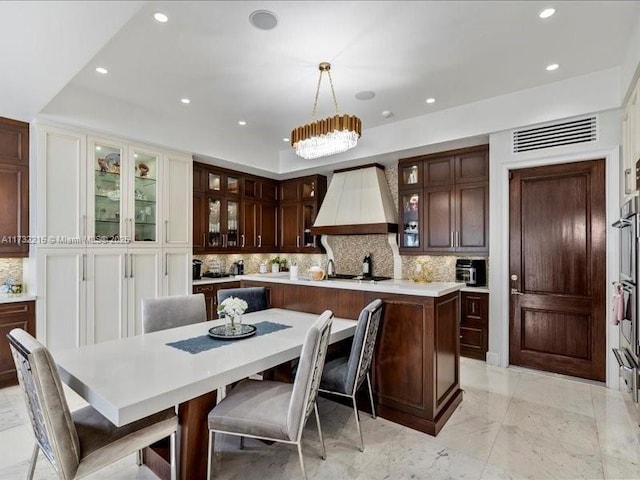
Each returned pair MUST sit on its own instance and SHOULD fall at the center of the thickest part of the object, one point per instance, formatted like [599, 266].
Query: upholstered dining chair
[174, 311]
[256, 297]
[81, 442]
[276, 411]
[343, 376]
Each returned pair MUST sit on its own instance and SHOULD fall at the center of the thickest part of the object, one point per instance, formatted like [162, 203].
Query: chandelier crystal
[326, 136]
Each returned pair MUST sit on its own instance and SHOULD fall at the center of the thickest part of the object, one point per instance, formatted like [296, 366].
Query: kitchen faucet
[331, 268]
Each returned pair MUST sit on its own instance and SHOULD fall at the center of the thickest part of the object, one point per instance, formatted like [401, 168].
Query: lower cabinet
[474, 325]
[416, 374]
[92, 295]
[210, 291]
[13, 315]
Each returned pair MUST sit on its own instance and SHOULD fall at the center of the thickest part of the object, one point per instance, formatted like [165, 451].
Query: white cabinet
[631, 141]
[117, 219]
[177, 200]
[61, 305]
[178, 271]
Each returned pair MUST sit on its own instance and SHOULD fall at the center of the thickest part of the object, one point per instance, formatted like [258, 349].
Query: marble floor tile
[577, 432]
[470, 434]
[618, 468]
[16, 445]
[555, 392]
[481, 403]
[476, 374]
[532, 456]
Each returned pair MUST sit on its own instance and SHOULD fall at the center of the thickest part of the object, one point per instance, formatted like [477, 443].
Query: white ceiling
[457, 52]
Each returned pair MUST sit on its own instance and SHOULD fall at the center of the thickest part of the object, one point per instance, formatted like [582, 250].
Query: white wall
[630, 70]
[502, 159]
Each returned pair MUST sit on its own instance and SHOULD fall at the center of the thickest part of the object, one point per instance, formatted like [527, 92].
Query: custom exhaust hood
[358, 202]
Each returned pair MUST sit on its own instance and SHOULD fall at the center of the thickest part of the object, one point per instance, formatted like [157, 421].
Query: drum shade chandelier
[326, 136]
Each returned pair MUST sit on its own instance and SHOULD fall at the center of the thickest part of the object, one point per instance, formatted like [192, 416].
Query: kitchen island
[416, 368]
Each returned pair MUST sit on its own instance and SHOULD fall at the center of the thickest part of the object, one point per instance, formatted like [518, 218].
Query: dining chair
[256, 297]
[81, 442]
[175, 311]
[276, 411]
[343, 376]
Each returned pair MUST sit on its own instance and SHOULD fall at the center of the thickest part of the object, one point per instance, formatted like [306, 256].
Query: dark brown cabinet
[300, 200]
[259, 214]
[210, 292]
[474, 324]
[13, 315]
[444, 202]
[14, 188]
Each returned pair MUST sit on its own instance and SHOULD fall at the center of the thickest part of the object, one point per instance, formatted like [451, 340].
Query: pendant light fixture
[326, 136]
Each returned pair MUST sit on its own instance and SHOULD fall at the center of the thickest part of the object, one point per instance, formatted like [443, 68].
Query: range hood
[358, 202]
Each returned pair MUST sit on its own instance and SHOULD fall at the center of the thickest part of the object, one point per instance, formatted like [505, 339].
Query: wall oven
[628, 355]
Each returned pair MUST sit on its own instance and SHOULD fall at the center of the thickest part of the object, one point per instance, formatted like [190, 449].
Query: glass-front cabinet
[410, 219]
[410, 175]
[123, 194]
[223, 223]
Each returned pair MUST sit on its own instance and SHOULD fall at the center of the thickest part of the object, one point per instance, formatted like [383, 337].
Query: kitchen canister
[293, 272]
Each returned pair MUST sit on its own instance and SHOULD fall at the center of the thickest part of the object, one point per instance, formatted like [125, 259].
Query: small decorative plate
[224, 332]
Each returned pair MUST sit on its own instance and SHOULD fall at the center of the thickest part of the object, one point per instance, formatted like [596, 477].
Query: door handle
[452, 242]
[298, 241]
[627, 174]
[166, 231]
[242, 236]
[204, 240]
[84, 228]
[126, 275]
[84, 267]
[514, 287]
[166, 264]
[131, 265]
[259, 241]
[457, 239]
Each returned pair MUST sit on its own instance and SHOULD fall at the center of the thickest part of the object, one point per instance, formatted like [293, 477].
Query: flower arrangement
[232, 306]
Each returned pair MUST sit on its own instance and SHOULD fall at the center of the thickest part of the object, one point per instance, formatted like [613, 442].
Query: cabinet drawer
[206, 289]
[471, 337]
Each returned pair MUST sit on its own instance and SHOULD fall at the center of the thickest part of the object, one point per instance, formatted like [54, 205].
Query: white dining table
[133, 377]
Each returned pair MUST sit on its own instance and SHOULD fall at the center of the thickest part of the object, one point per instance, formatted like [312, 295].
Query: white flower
[232, 306]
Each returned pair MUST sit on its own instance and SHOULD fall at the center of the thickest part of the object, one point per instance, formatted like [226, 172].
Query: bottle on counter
[367, 269]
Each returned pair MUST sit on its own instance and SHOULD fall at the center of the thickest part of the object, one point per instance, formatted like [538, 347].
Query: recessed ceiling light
[242, 123]
[102, 70]
[160, 17]
[98, 148]
[552, 67]
[387, 113]
[547, 12]
[430, 100]
[135, 155]
[185, 100]
[365, 95]
[285, 139]
[263, 19]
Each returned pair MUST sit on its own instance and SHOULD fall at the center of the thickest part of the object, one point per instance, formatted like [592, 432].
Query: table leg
[192, 445]
[193, 438]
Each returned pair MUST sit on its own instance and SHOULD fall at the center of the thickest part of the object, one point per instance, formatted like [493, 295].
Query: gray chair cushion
[256, 297]
[170, 312]
[334, 376]
[254, 408]
[102, 443]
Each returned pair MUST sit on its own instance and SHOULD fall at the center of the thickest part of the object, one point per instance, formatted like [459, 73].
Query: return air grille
[555, 135]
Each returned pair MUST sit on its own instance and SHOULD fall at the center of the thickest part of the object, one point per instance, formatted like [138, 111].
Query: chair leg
[373, 408]
[241, 443]
[34, 459]
[173, 457]
[324, 450]
[139, 457]
[210, 454]
[355, 409]
[304, 472]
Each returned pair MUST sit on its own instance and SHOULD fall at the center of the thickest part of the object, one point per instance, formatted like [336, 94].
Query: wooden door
[557, 257]
[267, 238]
[290, 227]
[200, 217]
[14, 221]
[250, 224]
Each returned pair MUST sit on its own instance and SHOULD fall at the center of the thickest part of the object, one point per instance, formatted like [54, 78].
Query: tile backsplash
[11, 268]
[252, 261]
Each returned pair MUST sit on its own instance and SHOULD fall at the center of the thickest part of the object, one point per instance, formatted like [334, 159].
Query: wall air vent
[583, 130]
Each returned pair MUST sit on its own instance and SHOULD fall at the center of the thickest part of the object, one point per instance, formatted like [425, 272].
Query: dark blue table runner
[205, 342]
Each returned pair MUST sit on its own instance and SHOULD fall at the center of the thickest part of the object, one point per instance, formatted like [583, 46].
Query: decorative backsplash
[252, 261]
[11, 268]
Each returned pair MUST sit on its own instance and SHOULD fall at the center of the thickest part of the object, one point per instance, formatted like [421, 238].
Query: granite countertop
[401, 287]
[12, 298]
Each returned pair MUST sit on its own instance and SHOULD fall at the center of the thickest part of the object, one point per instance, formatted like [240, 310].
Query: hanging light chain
[324, 67]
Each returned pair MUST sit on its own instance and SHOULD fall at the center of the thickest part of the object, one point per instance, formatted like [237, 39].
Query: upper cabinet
[300, 200]
[631, 143]
[14, 188]
[106, 191]
[444, 202]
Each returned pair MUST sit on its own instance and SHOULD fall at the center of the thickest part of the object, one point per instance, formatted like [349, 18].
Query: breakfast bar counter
[416, 368]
